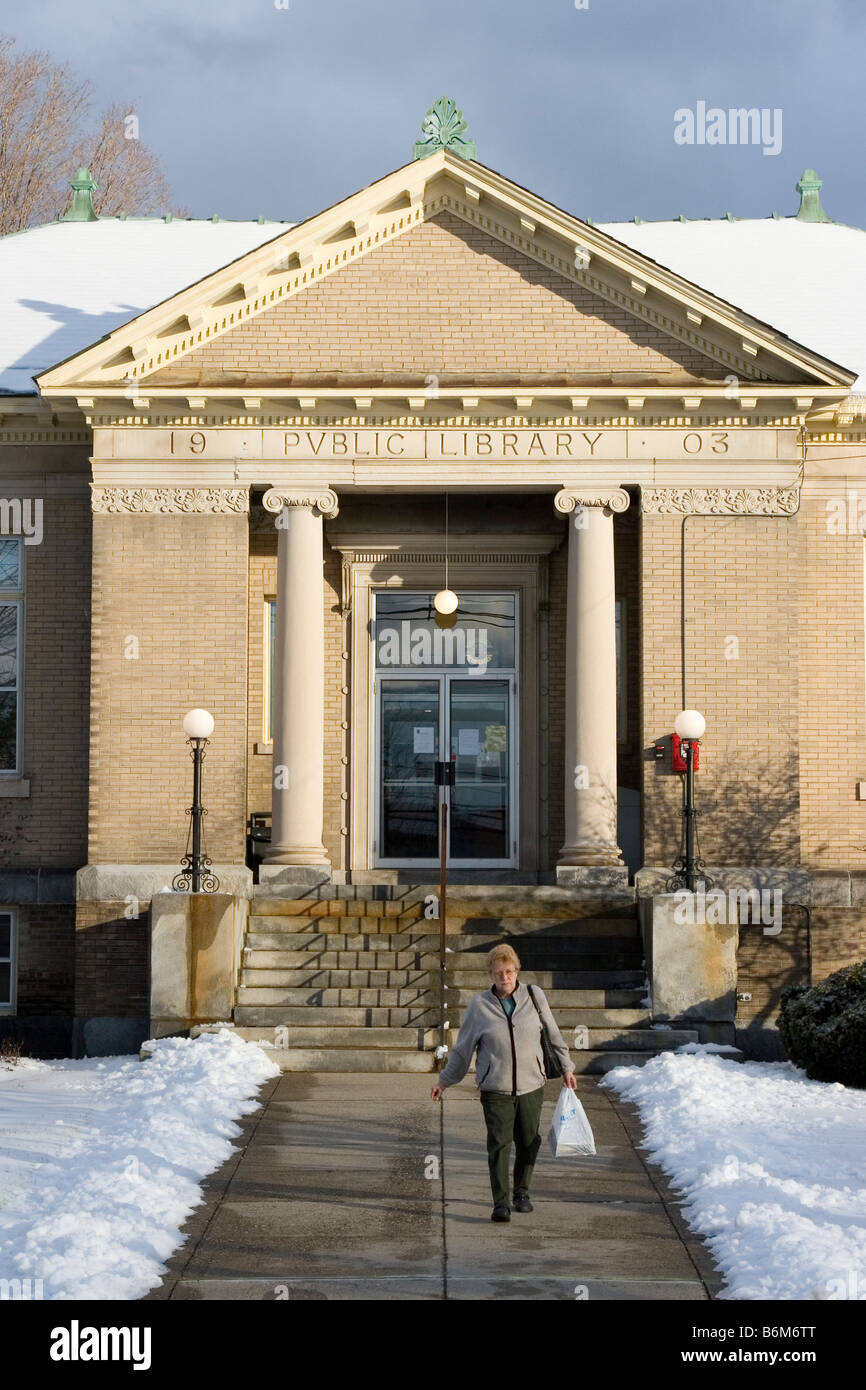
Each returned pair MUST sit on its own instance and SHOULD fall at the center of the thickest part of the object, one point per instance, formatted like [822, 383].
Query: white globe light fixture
[689, 727]
[198, 724]
[446, 601]
[196, 875]
[690, 724]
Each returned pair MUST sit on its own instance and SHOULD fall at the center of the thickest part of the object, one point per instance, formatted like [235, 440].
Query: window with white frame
[7, 960]
[11, 611]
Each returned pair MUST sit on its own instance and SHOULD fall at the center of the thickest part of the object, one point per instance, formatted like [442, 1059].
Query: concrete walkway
[358, 1186]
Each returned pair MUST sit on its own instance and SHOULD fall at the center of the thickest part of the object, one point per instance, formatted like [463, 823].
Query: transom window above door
[482, 638]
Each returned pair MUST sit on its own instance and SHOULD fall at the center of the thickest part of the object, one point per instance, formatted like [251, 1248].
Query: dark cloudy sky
[255, 109]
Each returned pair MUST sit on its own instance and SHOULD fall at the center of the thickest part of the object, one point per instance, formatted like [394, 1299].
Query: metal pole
[442, 891]
[689, 813]
[196, 815]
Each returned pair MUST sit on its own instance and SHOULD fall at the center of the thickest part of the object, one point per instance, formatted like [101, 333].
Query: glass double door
[468, 723]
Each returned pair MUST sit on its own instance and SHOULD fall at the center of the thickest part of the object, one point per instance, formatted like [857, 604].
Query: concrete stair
[349, 983]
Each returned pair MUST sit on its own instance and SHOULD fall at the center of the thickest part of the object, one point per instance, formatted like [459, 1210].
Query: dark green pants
[511, 1119]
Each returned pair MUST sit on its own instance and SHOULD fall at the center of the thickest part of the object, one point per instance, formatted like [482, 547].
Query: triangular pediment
[450, 301]
[441, 270]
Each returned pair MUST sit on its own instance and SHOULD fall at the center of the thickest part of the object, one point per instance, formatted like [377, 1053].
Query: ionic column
[299, 677]
[590, 677]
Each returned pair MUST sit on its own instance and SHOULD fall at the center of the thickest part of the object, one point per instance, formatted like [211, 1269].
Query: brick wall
[445, 298]
[765, 965]
[742, 657]
[111, 960]
[48, 829]
[832, 705]
[177, 585]
[45, 945]
[838, 939]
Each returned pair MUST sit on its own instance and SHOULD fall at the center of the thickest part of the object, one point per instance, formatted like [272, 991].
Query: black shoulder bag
[551, 1061]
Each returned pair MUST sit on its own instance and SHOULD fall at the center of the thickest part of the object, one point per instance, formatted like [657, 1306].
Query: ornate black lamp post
[689, 725]
[195, 874]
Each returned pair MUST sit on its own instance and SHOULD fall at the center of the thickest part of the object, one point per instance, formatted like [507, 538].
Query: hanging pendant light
[446, 601]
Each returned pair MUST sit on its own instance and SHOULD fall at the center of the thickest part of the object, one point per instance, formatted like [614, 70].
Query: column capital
[323, 500]
[612, 499]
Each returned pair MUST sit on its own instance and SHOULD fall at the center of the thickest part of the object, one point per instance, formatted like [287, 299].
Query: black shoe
[501, 1212]
[522, 1202]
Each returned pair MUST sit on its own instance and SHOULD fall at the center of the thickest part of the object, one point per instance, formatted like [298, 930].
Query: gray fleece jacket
[509, 1056]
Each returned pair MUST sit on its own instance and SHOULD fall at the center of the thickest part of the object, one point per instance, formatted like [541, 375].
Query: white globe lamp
[690, 724]
[198, 724]
[446, 601]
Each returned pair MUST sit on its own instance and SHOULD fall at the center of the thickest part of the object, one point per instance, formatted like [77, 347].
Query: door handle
[445, 772]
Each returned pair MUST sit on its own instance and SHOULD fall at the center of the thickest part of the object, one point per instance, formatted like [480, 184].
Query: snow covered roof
[806, 279]
[66, 285]
[63, 286]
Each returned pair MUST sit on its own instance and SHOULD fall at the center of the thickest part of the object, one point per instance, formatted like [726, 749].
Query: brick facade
[48, 828]
[151, 662]
[742, 579]
[444, 299]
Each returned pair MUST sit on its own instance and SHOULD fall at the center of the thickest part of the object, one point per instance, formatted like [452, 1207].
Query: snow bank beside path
[772, 1166]
[101, 1159]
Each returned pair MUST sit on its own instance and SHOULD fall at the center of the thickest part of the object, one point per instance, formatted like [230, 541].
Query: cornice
[162, 416]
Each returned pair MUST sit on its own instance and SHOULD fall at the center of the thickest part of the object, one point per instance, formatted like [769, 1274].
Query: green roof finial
[810, 209]
[81, 207]
[443, 128]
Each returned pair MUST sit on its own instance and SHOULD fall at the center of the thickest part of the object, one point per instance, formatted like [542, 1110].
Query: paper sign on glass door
[467, 743]
[423, 741]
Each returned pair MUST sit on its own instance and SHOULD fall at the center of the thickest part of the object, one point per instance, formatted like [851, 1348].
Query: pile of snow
[101, 1159]
[772, 1166]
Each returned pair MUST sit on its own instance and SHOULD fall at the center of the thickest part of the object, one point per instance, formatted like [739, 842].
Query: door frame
[485, 561]
[444, 678]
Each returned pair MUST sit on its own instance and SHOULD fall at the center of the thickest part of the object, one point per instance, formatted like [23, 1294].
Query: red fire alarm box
[677, 758]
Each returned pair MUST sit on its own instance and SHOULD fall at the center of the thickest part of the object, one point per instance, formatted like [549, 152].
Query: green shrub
[823, 1029]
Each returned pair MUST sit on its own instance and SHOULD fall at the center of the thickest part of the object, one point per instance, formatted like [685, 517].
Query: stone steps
[345, 982]
[326, 986]
[590, 982]
[599, 1008]
[409, 922]
[306, 1036]
[462, 902]
[335, 1059]
[465, 952]
[262, 954]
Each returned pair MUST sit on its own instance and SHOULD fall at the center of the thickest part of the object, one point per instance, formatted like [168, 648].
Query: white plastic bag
[570, 1132]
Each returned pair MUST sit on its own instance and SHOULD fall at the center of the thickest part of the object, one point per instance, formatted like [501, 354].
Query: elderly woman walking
[504, 1025]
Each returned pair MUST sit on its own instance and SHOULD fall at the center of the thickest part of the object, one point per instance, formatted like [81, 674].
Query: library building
[444, 535]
